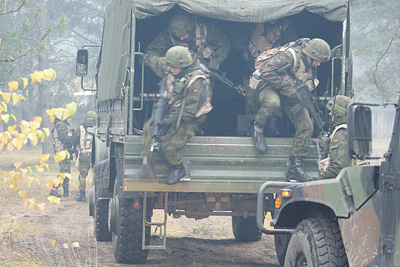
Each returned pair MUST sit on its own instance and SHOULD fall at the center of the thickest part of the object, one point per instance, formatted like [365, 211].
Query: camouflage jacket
[62, 137]
[82, 140]
[189, 95]
[337, 152]
[284, 84]
[215, 48]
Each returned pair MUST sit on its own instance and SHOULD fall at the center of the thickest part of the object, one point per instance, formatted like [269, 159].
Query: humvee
[224, 171]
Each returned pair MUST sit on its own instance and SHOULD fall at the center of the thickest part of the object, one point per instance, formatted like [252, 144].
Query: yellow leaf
[40, 169]
[35, 123]
[51, 199]
[41, 206]
[75, 244]
[60, 156]
[17, 143]
[25, 80]
[35, 205]
[53, 242]
[57, 181]
[29, 181]
[13, 85]
[33, 137]
[26, 202]
[1, 109]
[18, 165]
[24, 172]
[37, 180]
[5, 118]
[30, 170]
[4, 105]
[15, 98]
[70, 110]
[65, 245]
[12, 116]
[47, 75]
[6, 97]
[14, 187]
[11, 128]
[41, 135]
[57, 201]
[23, 193]
[47, 166]
[47, 131]
[44, 157]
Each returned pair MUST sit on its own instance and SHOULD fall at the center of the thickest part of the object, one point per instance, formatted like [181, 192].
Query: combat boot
[66, 191]
[258, 138]
[178, 172]
[145, 172]
[54, 192]
[295, 171]
[82, 197]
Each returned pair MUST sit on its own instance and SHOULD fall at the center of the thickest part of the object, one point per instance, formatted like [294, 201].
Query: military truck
[224, 171]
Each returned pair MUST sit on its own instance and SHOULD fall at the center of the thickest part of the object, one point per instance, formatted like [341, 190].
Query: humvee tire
[316, 242]
[127, 242]
[281, 245]
[100, 220]
[245, 229]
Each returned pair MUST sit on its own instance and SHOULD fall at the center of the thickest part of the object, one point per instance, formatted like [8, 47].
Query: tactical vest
[324, 163]
[203, 49]
[85, 142]
[175, 87]
[57, 144]
[299, 69]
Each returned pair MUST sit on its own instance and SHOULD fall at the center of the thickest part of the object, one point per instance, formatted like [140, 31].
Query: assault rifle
[305, 97]
[157, 118]
[222, 77]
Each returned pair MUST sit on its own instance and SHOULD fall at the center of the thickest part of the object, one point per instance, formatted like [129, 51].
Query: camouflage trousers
[172, 140]
[262, 104]
[65, 167]
[84, 167]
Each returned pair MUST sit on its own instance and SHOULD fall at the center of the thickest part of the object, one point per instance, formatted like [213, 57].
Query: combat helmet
[180, 25]
[318, 49]
[179, 57]
[338, 105]
[90, 119]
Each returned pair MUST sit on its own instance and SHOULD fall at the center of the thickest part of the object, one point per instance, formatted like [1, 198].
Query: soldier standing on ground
[62, 141]
[82, 140]
[188, 95]
[273, 91]
[263, 36]
[210, 43]
[335, 151]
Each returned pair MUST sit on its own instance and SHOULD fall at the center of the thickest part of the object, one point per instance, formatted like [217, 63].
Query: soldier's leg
[84, 166]
[171, 145]
[304, 129]
[252, 103]
[65, 167]
[269, 104]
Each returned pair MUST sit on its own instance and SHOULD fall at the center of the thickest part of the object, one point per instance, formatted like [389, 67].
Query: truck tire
[316, 242]
[245, 229]
[100, 220]
[127, 242]
[281, 245]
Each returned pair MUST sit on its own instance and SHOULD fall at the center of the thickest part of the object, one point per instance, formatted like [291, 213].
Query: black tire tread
[245, 229]
[100, 221]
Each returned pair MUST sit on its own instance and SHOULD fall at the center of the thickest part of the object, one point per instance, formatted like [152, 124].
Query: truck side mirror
[359, 130]
[82, 64]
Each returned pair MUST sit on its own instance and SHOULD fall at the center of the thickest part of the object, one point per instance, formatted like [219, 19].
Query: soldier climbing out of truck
[274, 90]
[188, 100]
[210, 43]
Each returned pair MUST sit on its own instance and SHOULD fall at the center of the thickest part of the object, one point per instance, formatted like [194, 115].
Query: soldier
[335, 151]
[273, 91]
[263, 36]
[188, 94]
[62, 141]
[82, 139]
[210, 43]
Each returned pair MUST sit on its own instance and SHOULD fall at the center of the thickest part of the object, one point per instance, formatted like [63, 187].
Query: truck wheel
[245, 229]
[281, 245]
[316, 242]
[100, 220]
[127, 242]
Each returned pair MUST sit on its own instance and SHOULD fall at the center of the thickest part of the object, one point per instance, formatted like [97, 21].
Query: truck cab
[224, 171]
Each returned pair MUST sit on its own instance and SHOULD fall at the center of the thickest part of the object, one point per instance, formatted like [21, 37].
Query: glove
[336, 51]
[325, 140]
[214, 64]
[140, 56]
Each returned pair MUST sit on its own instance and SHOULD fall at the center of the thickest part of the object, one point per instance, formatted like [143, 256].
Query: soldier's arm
[159, 46]
[219, 42]
[76, 136]
[339, 157]
[282, 83]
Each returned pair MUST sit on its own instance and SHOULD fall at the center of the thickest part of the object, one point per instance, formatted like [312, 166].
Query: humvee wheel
[316, 242]
[281, 245]
[127, 241]
[245, 229]
[100, 220]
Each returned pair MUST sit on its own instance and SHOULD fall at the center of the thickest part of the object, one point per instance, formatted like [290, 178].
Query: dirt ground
[62, 235]
[208, 242]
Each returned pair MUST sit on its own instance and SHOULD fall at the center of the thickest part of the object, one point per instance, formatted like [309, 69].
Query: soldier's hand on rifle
[140, 57]
[214, 64]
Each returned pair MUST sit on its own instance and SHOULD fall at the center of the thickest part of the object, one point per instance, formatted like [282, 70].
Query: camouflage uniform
[82, 139]
[335, 153]
[210, 43]
[189, 100]
[62, 141]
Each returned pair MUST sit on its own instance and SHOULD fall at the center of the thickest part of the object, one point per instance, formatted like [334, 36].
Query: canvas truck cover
[114, 56]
